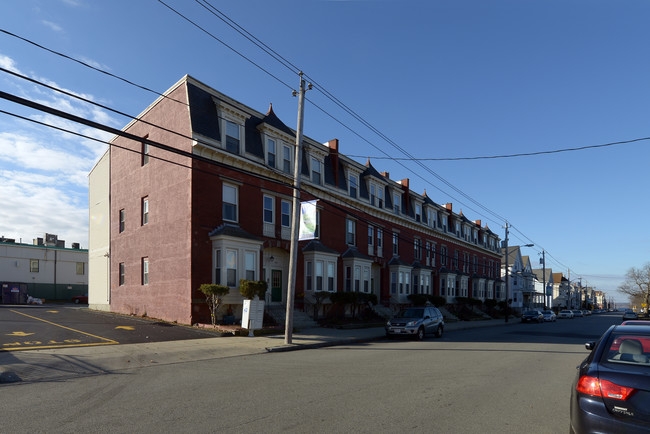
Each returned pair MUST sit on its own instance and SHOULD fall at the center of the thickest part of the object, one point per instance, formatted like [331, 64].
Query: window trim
[224, 203]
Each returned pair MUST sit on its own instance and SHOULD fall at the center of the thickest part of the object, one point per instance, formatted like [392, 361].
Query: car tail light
[603, 388]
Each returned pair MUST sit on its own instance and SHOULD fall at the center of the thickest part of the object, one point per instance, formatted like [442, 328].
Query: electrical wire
[344, 212]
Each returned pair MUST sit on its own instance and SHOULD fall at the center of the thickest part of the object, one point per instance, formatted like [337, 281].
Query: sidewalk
[58, 364]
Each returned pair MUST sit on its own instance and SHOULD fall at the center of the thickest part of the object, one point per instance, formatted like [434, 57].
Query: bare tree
[637, 283]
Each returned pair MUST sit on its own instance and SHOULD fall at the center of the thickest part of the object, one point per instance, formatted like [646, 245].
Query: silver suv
[416, 321]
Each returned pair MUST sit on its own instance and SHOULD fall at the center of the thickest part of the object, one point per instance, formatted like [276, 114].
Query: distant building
[45, 269]
[219, 209]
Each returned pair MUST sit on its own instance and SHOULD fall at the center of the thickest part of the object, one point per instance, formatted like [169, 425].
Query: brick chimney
[333, 146]
[448, 206]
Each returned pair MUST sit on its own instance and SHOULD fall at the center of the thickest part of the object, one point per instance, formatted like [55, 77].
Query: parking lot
[66, 326]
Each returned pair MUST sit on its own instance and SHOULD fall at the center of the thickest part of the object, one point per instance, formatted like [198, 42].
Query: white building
[45, 269]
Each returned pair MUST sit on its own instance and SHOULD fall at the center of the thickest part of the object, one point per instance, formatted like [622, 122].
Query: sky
[436, 79]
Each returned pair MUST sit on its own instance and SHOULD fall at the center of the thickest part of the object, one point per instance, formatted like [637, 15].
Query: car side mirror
[590, 345]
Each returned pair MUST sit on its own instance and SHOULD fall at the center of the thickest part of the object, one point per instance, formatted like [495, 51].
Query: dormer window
[380, 197]
[316, 171]
[418, 212]
[396, 203]
[373, 191]
[286, 159]
[354, 185]
[270, 152]
[232, 137]
[457, 229]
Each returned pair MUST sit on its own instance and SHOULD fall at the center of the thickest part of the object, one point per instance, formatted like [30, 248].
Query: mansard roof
[317, 246]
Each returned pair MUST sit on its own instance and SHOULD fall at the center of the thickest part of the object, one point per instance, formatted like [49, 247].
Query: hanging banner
[307, 220]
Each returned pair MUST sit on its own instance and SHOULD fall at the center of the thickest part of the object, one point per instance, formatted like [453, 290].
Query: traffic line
[57, 345]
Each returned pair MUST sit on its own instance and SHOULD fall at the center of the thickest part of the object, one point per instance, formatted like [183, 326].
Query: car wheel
[420, 334]
[76, 301]
[439, 332]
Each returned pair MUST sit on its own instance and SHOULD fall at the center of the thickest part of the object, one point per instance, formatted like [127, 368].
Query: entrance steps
[300, 319]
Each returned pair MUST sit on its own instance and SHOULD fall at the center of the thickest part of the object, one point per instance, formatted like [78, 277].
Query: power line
[525, 154]
[344, 212]
[323, 110]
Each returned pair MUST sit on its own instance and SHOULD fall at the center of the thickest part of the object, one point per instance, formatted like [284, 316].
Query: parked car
[566, 314]
[636, 322]
[418, 322]
[80, 299]
[611, 391]
[586, 312]
[532, 316]
[549, 315]
[577, 313]
[630, 314]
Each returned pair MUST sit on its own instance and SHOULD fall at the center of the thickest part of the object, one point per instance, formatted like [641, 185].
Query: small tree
[250, 288]
[214, 296]
[637, 283]
[319, 297]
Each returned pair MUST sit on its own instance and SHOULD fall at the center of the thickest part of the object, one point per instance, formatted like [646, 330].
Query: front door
[276, 286]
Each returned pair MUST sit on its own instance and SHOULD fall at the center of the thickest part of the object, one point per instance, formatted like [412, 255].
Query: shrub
[418, 299]
[213, 296]
[491, 303]
[251, 288]
[437, 300]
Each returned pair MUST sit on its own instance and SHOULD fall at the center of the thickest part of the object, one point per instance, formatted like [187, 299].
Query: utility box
[14, 293]
[252, 315]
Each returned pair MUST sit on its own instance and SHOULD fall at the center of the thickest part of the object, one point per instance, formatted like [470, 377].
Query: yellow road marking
[125, 327]
[108, 341]
[52, 311]
[19, 334]
[46, 347]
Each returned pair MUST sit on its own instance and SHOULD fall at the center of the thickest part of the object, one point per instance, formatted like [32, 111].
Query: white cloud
[29, 153]
[8, 63]
[53, 26]
[35, 204]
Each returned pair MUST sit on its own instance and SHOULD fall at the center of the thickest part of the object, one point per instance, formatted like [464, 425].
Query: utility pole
[544, 276]
[507, 283]
[293, 255]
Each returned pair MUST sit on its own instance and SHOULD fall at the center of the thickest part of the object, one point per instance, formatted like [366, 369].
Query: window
[372, 194]
[354, 185]
[315, 171]
[443, 255]
[268, 210]
[431, 218]
[309, 275]
[416, 282]
[270, 152]
[33, 265]
[366, 279]
[396, 202]
[455, 261]
[393, 282]
[145, 153]
[331, 277]
[285, 218]
[249, 263]
[444, 223]
[371, 231]
[232, 137]
[229, 202]
[217, 267]
[427, 250]
[417, 249]
[231, 268]
[145, 271]
[121, 273]
[380, 237]
[348, 279]
[319, 275]
[395, 244]
[357, 278]
[145, 210]
[286, 159]
[380, 196]
[122, 220]
[81, 268]
[418, 212]
[350, 236]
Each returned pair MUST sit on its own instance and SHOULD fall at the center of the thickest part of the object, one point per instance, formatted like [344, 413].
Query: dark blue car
[611, 392]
